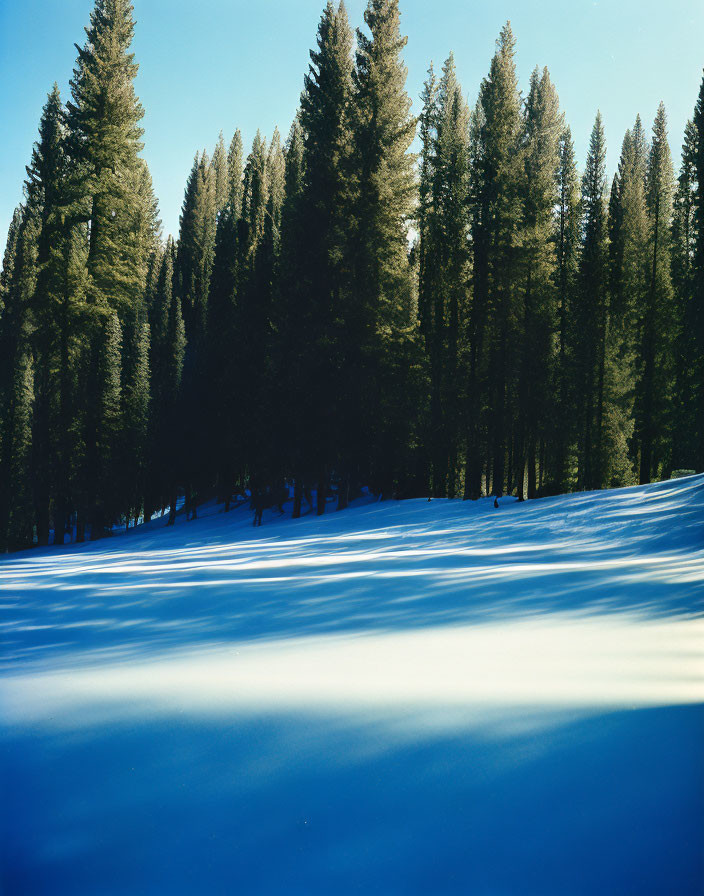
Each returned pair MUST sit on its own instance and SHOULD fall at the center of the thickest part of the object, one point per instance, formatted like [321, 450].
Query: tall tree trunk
[532, 491]
[322, 493]
[343, 496]
[297, 498]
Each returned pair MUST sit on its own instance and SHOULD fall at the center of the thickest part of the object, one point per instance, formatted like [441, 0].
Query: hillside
[431, 697]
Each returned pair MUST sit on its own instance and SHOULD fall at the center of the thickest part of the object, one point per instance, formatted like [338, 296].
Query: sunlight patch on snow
[558, 660]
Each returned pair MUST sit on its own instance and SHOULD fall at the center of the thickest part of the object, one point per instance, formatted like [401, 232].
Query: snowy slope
[405, 697]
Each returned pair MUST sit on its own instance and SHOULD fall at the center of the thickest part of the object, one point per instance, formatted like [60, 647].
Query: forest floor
[412, 697]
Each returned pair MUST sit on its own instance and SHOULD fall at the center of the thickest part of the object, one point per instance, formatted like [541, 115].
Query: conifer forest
[487, 315]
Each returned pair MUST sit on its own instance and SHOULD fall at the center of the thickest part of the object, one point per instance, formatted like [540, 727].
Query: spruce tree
[99, 479]
[135, 413]
[380, 312]
[45, 188]
[427, 132]
[166, 358]
[252, 321]
[234, 172]
[654, 368]
[105, 140]
[543, 127]
[222, 333]
[17, 382]
[294, 311]
[196, 252]
[110, 187]
[684, 228]
[322, 212]
[446, 271]
[194, 264]
[628, 250]
[590, 313]
[567, 224]
[497, 238]
[221, 174]
[695, 313]
[9, 257]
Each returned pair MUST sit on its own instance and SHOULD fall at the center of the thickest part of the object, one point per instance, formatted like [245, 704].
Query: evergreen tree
[135, 413]
[219, 164]
[9, 257]
[543, 127]
[99, 481]
[222, 334]
[194, 264]
[111, 187]
[196, 252]
[234, 170]
[446, 269]
[166, 357]
[562, 431]
[105, 140]
[695, 313]
[323, 215]
[380, 313]
[428, 125]
[45, 188]
[684, 228]
[654, 370]
[497, 237]
[628, 250]
[424, 258]
[17, 382]
[590, 315]
[293, 331]
[253, 314]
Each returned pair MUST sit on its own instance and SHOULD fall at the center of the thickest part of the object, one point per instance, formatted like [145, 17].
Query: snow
[413, 697]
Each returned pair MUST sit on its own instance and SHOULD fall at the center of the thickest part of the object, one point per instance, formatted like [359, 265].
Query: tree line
[475, 319]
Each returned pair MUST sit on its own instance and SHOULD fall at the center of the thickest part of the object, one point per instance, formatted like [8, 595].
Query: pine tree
[111, 188]
[380, 313]
[654, 369]
[45, 189]
[684, 228]
[543, 127]
[293, 329]
[135, 413]
[497, 237]
[322, 213]
[9, 257]
[446, 268]
[219, 164]
[194, 264]
[234, 169]
[252, 320]
[166, 358]
[196, 252]
[696, 305]
[428, 127]
[99, 489]
[105, 141]
[17, 381]
[222, 333]
[562, 431]
[628, 250]
[590, 314]
[628, 231]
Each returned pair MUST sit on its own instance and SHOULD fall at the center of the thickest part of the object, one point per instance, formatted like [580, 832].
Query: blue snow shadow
[566, 804]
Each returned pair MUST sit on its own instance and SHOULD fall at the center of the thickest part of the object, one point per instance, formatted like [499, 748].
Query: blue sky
[223, 64]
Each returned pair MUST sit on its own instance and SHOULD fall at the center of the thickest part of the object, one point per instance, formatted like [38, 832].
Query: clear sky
[207, 65]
